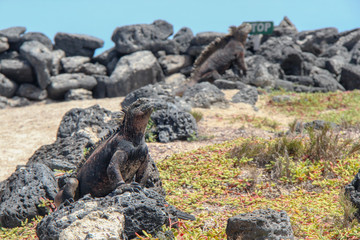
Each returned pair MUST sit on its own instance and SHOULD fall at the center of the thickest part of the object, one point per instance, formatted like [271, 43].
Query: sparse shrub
[289, 146]
[264, 152]
[326, 145]
[287, 157]
[280, 167]
[250, 149]
[197, 115]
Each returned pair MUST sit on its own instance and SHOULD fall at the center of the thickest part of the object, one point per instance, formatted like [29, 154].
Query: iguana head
[241, 32]
[137, 115]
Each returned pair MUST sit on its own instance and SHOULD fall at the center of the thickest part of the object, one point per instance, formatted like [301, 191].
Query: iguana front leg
[120, 160]
[113, 169]
[240, 63]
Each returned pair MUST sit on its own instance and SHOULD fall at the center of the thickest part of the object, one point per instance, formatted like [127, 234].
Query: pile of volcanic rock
[34, 68]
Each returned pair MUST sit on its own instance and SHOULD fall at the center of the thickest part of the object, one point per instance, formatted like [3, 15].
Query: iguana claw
[127, 187]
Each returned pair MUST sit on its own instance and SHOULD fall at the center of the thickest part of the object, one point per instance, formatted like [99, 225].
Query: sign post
[258, 29]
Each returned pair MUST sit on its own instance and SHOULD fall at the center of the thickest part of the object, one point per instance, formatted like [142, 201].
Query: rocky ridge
[35, 68]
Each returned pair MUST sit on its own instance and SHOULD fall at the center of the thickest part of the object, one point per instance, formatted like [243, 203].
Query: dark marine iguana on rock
[120, 163]
[219, 56]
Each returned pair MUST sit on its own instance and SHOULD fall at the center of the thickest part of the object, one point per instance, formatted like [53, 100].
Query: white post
[256, 41]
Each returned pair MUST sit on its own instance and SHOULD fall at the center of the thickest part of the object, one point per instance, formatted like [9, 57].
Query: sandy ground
[25, 129]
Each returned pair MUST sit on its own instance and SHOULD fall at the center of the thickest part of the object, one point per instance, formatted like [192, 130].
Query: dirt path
[23, 130]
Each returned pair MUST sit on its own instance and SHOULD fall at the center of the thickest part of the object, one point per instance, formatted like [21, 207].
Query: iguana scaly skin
[122, 162]
[219, 55]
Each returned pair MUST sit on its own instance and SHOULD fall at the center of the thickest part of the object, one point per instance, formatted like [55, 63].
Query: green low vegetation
[337, 107]
[285, 173]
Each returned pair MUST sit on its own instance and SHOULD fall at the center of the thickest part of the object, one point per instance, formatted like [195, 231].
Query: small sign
[261, 27]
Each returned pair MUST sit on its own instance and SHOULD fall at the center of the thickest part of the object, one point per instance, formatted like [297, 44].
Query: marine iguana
[218, 56]
[122, 162]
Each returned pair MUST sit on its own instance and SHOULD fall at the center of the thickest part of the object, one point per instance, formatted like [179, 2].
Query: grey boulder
[79, 64]
[72, 64]
[272, 49]
[31, 92]
[301, 80]
[56, 66]
[355, 54]
[13, 34]
[98, 217]
[205, 38]
[134, 71]
[100, 90]
[247, 94]
[37, 36]
[352, 191]
[92, 69]
[327, 82]
[336, 50]
[335, 64]
[4, 45]
[172, 124]
[350, 77]
[17, 69]
[200, 41]
[62, 83]
[7, 87]
[138, 37]
[203, 95]
[78, 94]
[108, 58]
[261, 72]
[22, 194]
[260, 225]
[318, 40]
[349, 39]
[173, 63]
[292, 64]
[13, 102]
[77, 44]
[40, 57]
[183, 37]
[175, 79]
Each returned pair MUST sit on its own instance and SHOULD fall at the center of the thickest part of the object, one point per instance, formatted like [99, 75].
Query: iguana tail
[185, 216]
[180, 214]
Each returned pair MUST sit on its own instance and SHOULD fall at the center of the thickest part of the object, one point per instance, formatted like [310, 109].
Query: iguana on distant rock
[121, 163]
[219, 55]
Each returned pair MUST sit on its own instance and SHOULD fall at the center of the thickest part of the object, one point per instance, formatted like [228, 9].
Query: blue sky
[100, 18]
